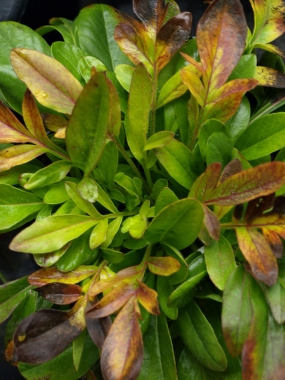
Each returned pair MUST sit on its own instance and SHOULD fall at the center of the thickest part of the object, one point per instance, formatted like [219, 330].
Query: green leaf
[159, 362]
[245, 67]
[124, 75]
[218, 149]
[275, 295]
[112, 256]
[237, 310]
[51, 233]
[99, 234]
[200, 339]
[239, 122]
[181, 274]
[164, 289]
[158, 140]
[16, 205]
[13, 35]
[69, 55]
[49, 81]
[270, 136]
[220, 261]
[165, 198]
[176, 225]
[209, 128]
[100, 20]
[176, 159]
[140, 100]
[172, 89]
[62, 366]
[108, 164]
[113, 228]
[85, 65]
[62, 25]
[77, 349]
[52, 173]
[11, 294]
[86, 131]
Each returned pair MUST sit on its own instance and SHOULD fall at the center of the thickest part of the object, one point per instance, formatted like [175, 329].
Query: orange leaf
[163, 266]
[258, 254]
[122, 352]
[148, 298]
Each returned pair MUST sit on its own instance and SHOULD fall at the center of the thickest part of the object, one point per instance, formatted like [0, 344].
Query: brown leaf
[211, 223]
[171, 37]
[207, 182]
[60, 294]
[122, 352]
[231, 168]
[269, 77]
[97, 328]
[45, 334]
[151, 12]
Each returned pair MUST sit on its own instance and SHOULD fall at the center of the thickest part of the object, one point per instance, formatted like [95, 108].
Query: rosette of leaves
[149, 166]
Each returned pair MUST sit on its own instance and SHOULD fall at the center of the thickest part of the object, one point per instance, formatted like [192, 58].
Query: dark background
[36, 13]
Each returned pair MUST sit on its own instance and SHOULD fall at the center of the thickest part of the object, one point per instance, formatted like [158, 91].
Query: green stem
[130, 162]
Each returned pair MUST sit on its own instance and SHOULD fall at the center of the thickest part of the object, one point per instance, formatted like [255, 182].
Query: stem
[130, 162]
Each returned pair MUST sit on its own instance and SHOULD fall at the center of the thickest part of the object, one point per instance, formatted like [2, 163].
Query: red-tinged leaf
[222, 22]
[242, 187]
[132, 45]
[266, 76]
[44, 335]
[207, 182]
[122, 352]
[50, 82]
[171, 37]
[11, 130]
[59, 293]
[258, 254]
[151, 12]
[113, 301]
[163, 266]
[32, 118]
[18, 155]
[224, 108]
[211, 222]
[233, 167]
[195, 86]
[128, 274]
[49, 275]
[148, 298]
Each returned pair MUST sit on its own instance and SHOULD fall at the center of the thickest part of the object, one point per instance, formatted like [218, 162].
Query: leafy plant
[149, 166]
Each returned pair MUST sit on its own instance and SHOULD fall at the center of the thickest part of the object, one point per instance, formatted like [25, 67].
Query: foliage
[150, 166]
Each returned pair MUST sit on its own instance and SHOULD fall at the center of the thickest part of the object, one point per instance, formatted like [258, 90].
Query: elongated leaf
[19, 154]
[52, 173]
[172, 89]
[86, 132]
[51, 233]
[100, 20]
[140, 105]
[171, 37]
[200, 339]
[176, 225]
[60, 294]
[249, 184]
[237, 310]
[222, 19]
[11, 294]
[270, 137]
[16, 205]
[99, 234]
[49, 81]
[259, 255]
[159, 359]
[220, 261]
[164, 290]
[159, 140]
[269, 77]
[63, 364]
[50, 275]
[163, 266]
[34, 337]
[13, 35]
[122, 352]
[176, 159]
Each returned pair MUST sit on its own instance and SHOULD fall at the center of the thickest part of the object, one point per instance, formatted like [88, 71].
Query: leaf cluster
[151, 165]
